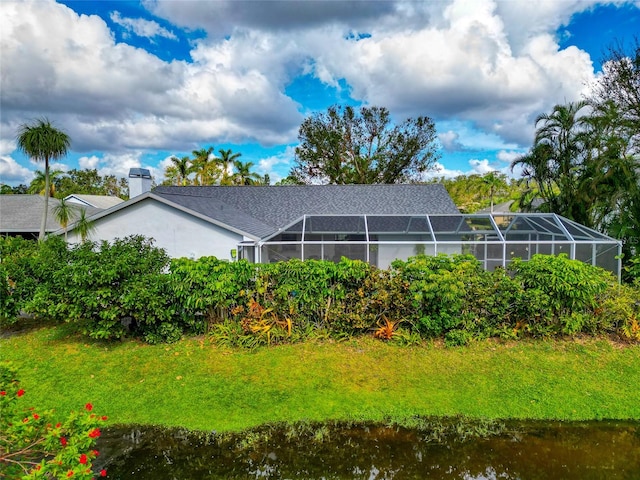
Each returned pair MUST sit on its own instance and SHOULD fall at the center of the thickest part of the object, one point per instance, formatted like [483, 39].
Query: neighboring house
[95, 201]
[227, 220]
[21, 215]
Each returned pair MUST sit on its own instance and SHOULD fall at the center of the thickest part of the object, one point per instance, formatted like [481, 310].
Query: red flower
[3, 393]
[25, 420]
[70, 474]
[20, 392]
[103, 473]
[36, 416]
[63, 441]
[95, 433]
[104, 418]
[96, 453]
[88, 407]
[58, 425]
[83, 459]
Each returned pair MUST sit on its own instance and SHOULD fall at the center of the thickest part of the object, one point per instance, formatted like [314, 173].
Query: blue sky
[135, 82]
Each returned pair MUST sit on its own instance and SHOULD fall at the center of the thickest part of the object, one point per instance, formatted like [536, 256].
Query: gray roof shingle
[262, 210]
[23, 213]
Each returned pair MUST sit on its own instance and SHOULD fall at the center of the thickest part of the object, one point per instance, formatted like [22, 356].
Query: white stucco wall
[180, 234]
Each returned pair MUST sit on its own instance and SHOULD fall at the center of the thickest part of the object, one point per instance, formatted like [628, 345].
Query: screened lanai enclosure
[494, 239]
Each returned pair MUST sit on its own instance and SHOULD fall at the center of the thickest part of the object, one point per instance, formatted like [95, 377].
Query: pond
[419, 449]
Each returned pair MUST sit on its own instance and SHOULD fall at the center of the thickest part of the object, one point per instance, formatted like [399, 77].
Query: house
[231, 221]
[21, 215]
[99, 202]
[374, 223]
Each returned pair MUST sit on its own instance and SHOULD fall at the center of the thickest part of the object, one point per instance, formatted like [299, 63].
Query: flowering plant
[33, 447]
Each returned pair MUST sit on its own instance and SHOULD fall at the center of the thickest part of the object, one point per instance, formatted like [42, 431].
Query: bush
[208, 290]
[438, 287]
[109, 290]
[25, 264]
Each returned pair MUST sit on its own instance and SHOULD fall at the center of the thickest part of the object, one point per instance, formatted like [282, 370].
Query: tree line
[205, 168]
[584, 163]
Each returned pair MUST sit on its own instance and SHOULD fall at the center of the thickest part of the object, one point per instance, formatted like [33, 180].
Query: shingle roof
[23, 213]
[96, 201]
[262, 210]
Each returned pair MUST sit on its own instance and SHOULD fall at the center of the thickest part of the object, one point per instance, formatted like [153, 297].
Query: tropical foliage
[207, 169]
[474, 192]
[131, 288]
[43, 142]
[585, 160]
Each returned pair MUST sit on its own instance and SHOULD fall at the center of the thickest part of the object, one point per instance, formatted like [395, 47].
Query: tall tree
[227, 159]
[205, 166]
[43, 142]
[243, 174]
[619, 85]
[179, 171]
[556, 160]
[495, 184]
[345, 145]
[39, 181]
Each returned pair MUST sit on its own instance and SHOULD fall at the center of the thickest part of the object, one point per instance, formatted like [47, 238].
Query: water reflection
[512, 450]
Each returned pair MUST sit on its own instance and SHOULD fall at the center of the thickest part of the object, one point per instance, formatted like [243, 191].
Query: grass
[199, 386]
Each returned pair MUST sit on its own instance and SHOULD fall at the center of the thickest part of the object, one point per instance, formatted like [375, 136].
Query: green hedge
[131, 288]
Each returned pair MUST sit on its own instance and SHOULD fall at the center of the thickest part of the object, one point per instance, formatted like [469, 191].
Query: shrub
[207, 289]
[25, 264]
[109, 289]
[571, 285]
[438, 287]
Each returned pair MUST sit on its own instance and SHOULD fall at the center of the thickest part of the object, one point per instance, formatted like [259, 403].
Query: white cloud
[111, 96]
[277, 166]
[481, 166]
[88, 163]
[11, 172]
[508, 156]
[489, 66]
[141, 27]
[450, 141]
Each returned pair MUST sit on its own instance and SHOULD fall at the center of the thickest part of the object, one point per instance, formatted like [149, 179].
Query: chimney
[139, 181]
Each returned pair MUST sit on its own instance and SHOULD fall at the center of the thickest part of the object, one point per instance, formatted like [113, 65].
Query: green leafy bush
[208, 290]
[25, 264]
[438, 287]
[110, 290]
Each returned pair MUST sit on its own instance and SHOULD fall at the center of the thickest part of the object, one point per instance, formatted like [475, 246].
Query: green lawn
[199, 386]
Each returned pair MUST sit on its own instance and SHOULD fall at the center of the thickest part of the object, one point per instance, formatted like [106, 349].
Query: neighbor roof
[262, 210]
[96, 201]
[23, 213]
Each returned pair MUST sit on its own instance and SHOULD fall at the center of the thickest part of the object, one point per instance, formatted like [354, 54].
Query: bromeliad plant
[33, 447]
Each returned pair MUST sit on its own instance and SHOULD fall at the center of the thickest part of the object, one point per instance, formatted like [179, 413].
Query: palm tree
[84, 226]
[556, 160]
[495, 183]
[205, 166]
[182, 168]
[64, 213]
[227, 159]
[43, 142]
[244, 175]
[38, 183]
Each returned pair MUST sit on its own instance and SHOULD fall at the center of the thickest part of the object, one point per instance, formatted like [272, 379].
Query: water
[437, 449]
